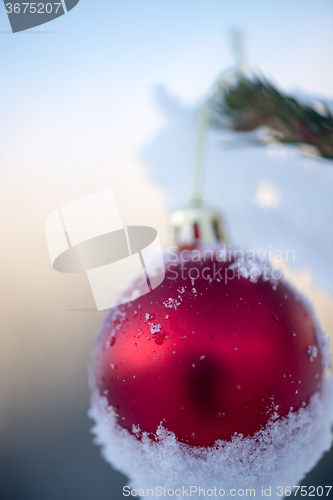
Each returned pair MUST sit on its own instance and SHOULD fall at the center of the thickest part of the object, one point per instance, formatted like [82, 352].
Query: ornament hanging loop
[197, 223]
[206, 111]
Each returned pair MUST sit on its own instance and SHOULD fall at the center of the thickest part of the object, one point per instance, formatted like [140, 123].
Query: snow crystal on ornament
[278, 455]
[171, 303]
[154, 328]
[312, 352]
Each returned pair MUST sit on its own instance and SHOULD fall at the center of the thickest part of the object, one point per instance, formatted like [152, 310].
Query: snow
[279, 455]
[312, 352]
[271, 196]
[171, 303]
[154, 328]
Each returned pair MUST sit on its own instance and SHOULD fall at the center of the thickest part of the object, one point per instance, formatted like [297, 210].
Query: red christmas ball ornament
[215, 351]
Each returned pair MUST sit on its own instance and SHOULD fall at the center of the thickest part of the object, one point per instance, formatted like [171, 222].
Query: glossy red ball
[208, 356]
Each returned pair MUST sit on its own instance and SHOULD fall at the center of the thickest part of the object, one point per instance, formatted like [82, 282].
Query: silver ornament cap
[195, 224]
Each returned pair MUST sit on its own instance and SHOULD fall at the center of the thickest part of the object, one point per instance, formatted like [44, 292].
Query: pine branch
[250, 103]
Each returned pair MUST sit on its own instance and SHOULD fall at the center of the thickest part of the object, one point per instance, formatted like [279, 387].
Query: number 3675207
[32, 8]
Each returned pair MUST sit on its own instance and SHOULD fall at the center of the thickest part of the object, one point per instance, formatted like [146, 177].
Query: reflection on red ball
[208, 354]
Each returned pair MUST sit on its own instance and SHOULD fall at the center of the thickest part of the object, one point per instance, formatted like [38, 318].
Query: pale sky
[97, 66]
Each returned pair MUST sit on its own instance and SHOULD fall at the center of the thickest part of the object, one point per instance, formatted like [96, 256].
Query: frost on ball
[216, 374]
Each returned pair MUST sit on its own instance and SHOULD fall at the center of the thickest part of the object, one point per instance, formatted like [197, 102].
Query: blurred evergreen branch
[248, 103]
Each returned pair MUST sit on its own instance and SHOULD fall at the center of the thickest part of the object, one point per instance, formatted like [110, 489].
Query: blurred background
[108, 96]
